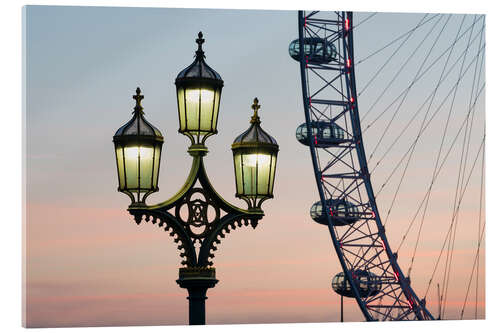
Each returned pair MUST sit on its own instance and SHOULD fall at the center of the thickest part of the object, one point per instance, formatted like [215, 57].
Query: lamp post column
[197, 281]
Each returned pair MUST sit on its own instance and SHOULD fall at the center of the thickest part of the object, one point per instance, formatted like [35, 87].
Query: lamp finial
[138, 98]
[255, 106]
[200, 40]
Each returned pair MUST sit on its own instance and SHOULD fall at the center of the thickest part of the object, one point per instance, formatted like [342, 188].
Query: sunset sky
[89, 264]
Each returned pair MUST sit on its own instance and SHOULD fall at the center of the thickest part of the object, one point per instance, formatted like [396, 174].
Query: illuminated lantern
[138, 151]
[198, 97]
[255, 153]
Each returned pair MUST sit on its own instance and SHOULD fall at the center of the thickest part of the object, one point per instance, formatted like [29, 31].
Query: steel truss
[341, 171]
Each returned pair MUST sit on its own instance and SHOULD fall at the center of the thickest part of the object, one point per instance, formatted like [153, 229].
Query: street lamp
[138, 149]
[254, 153]
[198, 98]
[197, 213]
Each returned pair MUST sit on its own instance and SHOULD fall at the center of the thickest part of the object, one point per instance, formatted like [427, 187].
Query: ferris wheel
[338, 118]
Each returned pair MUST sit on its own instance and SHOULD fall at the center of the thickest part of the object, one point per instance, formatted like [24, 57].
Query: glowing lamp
[255, 153]
[198, 97]
[138, 151]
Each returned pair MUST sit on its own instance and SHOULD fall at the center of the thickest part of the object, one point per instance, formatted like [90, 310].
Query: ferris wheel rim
[416, 304]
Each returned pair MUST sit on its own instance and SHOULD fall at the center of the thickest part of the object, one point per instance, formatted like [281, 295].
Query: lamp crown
[138, 99]
[200, 40]
[255, 106]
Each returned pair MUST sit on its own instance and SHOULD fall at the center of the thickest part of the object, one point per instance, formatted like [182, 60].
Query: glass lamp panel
[192, 109]
[182, 108]
[146, 167]
[156, 168]
[131, 163]
[273, 172]
[216, 109]
[208, 97]
[238, 173]
[120, 163]
[134, 156]
[250, 180]
[263, 169]
[199, 107]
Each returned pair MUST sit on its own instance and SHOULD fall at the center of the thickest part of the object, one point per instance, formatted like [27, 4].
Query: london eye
[341, 117]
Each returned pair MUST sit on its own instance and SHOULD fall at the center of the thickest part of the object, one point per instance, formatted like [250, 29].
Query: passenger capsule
[325, 134]
[367, 283]
[317, 50]
[342, 211]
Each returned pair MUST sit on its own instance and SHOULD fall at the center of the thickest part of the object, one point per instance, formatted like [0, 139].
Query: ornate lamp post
[186, 215]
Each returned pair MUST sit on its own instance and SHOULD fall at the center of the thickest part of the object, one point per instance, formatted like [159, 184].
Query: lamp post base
[197, 281]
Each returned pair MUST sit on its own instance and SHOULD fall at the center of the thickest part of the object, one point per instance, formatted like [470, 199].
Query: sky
[89, 264]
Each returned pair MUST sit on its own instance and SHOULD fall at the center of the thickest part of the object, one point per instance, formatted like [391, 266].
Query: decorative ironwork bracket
[196, 214]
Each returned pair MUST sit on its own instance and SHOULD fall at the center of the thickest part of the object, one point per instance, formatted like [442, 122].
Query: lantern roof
[138, 128]
[255, 136]
[199, 70]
